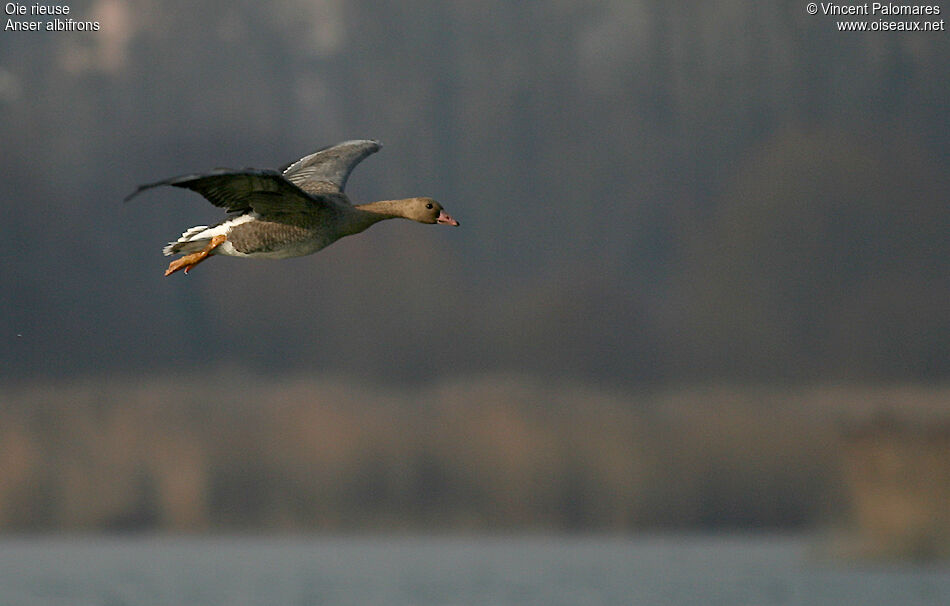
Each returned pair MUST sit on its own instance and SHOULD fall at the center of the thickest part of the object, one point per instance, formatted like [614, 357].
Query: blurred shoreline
[231, 452]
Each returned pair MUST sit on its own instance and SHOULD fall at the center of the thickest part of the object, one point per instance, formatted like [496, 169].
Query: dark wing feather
[326, 170]
[266, 192]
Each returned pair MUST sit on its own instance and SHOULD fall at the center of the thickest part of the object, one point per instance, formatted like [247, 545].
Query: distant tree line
[648, 191]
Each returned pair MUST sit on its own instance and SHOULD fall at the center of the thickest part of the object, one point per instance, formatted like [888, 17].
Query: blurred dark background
[652, 196]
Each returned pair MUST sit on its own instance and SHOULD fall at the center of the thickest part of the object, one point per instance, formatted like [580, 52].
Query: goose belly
[271, 240]
[288, 251]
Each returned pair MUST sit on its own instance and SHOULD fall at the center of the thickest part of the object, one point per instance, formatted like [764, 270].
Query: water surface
[423, 571]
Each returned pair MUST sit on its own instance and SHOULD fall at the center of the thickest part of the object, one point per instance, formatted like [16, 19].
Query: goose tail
[189, 242]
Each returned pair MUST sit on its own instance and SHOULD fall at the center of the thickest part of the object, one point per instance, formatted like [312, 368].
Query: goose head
[426, 210]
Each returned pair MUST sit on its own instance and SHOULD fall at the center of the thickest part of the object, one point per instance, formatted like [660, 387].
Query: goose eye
[429, 205]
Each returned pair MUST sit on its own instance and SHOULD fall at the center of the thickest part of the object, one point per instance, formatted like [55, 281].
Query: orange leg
[189, 261]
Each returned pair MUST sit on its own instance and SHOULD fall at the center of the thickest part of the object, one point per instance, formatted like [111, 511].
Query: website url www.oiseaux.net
[891, 26]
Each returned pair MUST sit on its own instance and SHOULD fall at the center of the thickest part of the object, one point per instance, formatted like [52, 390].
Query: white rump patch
[203, 232]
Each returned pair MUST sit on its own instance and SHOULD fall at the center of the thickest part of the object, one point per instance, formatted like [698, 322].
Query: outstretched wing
[326, 170]
[266, 192]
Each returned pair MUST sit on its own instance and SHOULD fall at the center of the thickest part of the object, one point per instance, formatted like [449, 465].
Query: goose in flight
[276, 215]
